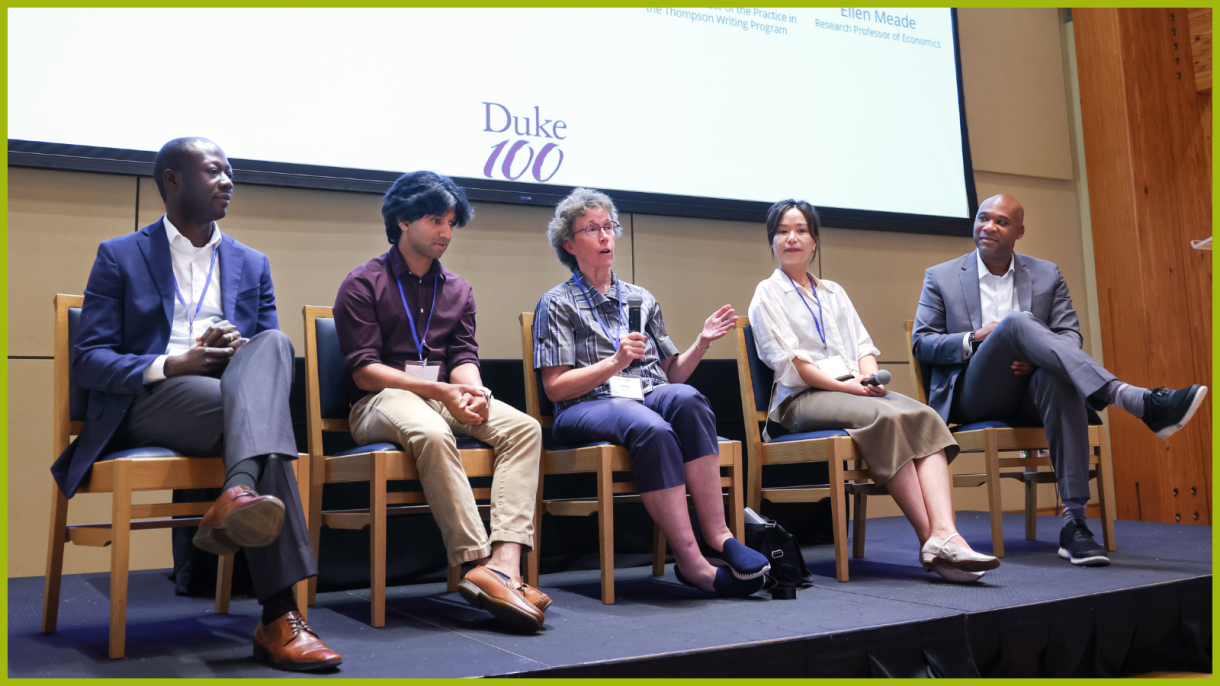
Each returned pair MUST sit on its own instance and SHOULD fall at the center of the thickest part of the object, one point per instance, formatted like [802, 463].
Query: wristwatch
[486, 393]
[974, 345]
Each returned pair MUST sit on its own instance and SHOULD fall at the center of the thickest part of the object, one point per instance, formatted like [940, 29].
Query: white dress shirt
[784, 330]
[997, 296]
[191, 272]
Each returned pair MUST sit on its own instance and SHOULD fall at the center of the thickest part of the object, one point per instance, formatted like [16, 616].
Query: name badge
[834, 368]
[425, 372]
[631, 387]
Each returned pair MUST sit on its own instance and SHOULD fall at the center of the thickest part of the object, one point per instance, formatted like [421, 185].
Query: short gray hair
[563, 227]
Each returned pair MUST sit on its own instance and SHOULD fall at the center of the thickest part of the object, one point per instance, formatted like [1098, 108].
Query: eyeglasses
[594, 230]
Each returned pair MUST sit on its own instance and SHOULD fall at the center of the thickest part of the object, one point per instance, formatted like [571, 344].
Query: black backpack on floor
[788, 571]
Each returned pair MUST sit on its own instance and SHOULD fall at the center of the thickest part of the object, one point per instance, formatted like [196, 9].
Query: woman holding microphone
[808, 331]
[612, 384]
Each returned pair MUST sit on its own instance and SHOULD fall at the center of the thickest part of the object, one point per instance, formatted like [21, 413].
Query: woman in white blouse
[807, 330]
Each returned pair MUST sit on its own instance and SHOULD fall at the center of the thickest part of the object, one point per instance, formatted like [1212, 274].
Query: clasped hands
[210, 355]
[466, 403]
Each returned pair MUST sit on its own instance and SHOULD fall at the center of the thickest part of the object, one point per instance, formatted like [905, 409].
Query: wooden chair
[993, 437]
[120, 474]
[327, 411]
[605, 459]
[848, 471]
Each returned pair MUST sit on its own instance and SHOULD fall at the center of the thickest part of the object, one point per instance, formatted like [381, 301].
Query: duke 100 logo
[514, 160]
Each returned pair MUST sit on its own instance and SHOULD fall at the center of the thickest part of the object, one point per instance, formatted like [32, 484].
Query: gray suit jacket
[950, 307]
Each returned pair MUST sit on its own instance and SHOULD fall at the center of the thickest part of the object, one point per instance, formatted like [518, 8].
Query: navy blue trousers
[673, 426]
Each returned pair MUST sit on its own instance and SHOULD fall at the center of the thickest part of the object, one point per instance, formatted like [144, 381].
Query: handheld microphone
[881, 378]
[634, 302]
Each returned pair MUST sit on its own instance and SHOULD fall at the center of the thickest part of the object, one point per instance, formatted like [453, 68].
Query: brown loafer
[536, 598]
[288, 643]
[240, 518]
[500, 595]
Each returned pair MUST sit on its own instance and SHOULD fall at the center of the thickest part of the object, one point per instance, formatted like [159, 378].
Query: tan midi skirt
[889, 431]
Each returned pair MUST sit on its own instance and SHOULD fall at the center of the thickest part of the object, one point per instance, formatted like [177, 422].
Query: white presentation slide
[847, 108]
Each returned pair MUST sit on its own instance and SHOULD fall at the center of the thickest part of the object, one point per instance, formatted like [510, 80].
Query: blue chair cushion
[463, 443]
[1012, 424]
[761, 375]
[809, 435]
[577, 446]
[332, 372]
[151, 451]
[78, 398]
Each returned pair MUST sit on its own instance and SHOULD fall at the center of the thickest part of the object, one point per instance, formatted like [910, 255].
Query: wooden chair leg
[605, 525]
[838, 504]
[377, 524]
[452, 576]
[658, 551]
[994, 504]
[754, 468]
[120, 556]
[534, 557]
[1105, 487]
[55, 559]
[224, 583]
[1031, 511]
[859, 518]
[316, 475]
[737, 524]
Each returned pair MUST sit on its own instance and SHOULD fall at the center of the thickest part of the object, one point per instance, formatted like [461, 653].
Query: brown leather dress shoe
[240, 518]
[502, 597]
[536, 598]
[288, 643]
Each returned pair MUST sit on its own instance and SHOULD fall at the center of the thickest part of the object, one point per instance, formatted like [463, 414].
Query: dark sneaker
[1167, 411]
[1076, 545]
[745, 563]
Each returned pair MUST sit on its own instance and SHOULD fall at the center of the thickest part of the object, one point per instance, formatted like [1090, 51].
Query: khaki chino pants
[425, 429]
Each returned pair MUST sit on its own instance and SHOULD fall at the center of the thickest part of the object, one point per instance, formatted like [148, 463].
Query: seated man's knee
[276, 339]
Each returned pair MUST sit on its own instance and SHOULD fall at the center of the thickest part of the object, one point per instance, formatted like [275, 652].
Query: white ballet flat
[937, 553]
[958, 576]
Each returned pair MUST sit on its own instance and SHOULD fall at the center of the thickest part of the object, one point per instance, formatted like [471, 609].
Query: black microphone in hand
[634, 302]
[881, 378]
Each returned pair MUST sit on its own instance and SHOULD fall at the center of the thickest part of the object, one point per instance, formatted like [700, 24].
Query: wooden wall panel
[1145, 136]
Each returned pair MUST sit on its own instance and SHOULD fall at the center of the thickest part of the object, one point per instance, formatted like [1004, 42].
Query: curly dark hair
[420, 194]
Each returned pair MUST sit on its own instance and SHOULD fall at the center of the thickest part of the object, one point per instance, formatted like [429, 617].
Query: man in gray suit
[998, 339]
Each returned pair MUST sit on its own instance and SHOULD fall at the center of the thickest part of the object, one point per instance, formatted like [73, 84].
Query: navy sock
[279, 604]
[246, 473]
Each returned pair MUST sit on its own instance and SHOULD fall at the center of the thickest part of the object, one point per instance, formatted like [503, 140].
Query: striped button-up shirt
[567, 332]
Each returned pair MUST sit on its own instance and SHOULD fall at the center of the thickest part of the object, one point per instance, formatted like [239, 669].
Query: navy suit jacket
[950, 306]
[125, 325]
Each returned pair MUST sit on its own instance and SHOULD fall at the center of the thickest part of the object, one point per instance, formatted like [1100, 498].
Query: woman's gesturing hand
[717, 326]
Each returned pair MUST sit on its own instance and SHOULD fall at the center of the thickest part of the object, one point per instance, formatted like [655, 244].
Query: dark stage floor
[430, 633]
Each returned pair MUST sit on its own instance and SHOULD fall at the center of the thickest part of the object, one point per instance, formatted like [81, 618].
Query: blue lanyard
[190, 318]
[419, 343]
[816, 321]
[618, 327]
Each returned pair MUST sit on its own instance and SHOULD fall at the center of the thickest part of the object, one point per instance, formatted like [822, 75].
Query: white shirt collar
[984, 271]
[786, 283]
[171, 232]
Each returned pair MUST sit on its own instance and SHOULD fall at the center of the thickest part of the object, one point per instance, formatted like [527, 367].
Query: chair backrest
[537, 405]
[326, 406]
[70, 400]
[755, 379]
[914, 364]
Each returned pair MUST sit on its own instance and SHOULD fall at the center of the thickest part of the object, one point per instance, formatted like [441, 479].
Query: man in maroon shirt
[406, 328]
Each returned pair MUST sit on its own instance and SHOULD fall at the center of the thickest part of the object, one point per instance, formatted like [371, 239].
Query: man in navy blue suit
[180, 348]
